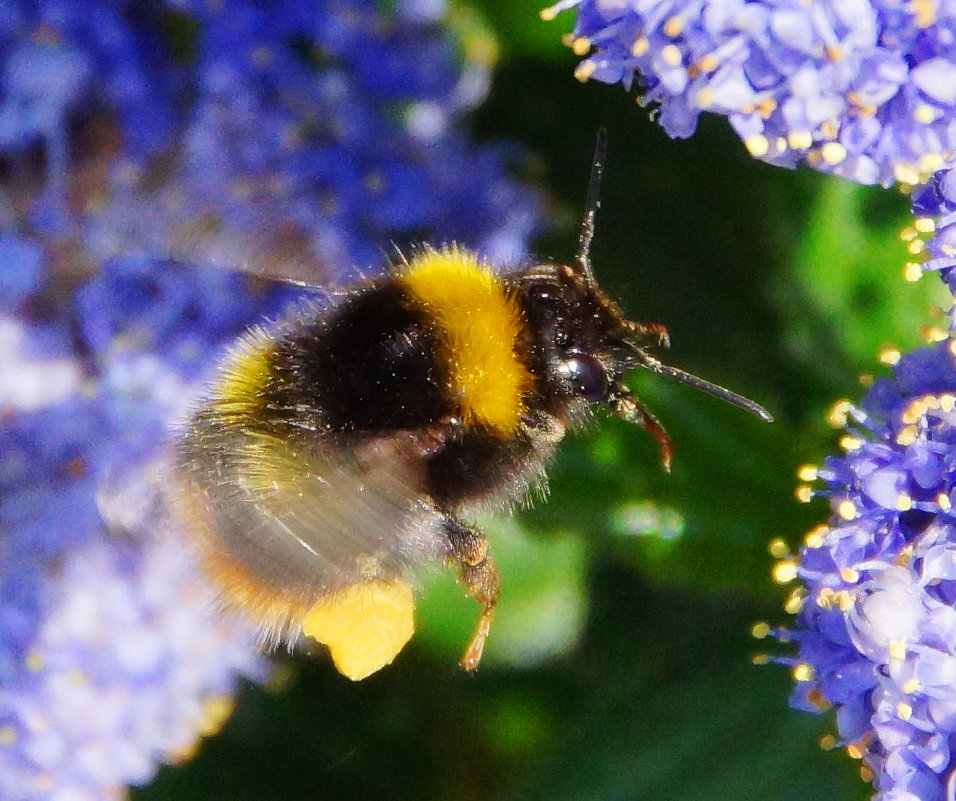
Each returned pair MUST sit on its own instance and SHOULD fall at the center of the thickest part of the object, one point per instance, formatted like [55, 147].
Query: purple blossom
[307, 136]
[865, 89]
[877, 624]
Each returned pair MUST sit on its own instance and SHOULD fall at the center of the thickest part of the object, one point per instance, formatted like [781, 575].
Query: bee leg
[625, 405]
[469, 550]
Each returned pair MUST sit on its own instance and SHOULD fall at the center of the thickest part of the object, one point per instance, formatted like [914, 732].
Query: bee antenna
[591, 205]
[704, 385]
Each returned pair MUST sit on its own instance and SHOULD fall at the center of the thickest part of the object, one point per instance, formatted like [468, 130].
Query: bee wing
[281, 524]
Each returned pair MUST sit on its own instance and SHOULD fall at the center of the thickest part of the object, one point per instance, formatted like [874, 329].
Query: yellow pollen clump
[671, 55]
[828, 742]
[843, 600]
[837, 416]
[795, 601]
[785, 571]
[803, 672]
[952, 347]
[584, 71]
[906, 174]
[705, 97]
[35, 662]
[674, 26]
[866, 774]
[807, 472]
[909, 233]
[913, 271]
[856, 750]
[947, 402]
[924, 12]
[760, 630]
[925, 225]
[897, 650]
[924, 114]
[931, 162]
[933, 333]
[833, 153]
[548, 14]
[758, 145]
[640, 47]
[904, 711]
[825, 598]
[890, 355]
[851, 443]
[800, 140]
[911, 686]
[803, 493]
[830, 129]
[907, 436]
[847, 510]
[904, 502]
[760, 659]
[916, 247]
[814, 539]
[834, 52]
[581, 46]
[943, 502]
[708, 63]
[215, 712]
[365, 626]
[778, 548]
[849, 575]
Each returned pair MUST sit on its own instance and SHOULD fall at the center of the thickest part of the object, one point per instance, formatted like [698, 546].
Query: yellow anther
[760, 659]
[674, 26]
[837, 416]
[800, 140]
[913, 271]
[942, 500]
[907, 436]
[584, 71]
[906, 174]
[847, 510]
[911, 686]
[924, 114]
[671, 55]
[814, 538]
[778, 548]
[849, 575]
[785, 571]
[851, 443]
[640, 47]
[925, 225]
[904, 502]
[760, 630]
[807, 472]
[934, 333]
[758, 145]
[803, 672]
[931, 162]
[916, 247]
[890, 355]
[909, 233]
[803, 493]
[795, 601]
[34, 662]
[828, 742]
[856, 750]
[843, 600]
[581, 46]
[548, 14]
[897, 649]
[833, 153]
[708, 63]
[904, 711]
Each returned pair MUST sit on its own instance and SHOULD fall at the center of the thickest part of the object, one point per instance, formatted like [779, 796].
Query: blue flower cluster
[297, 137]
[877, 622]
[865, 89]
[933, 235]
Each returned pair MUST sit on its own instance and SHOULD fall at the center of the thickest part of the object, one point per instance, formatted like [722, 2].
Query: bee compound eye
[586, 377]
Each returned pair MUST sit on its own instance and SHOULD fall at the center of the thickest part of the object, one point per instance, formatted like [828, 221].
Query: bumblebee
[340, 451]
